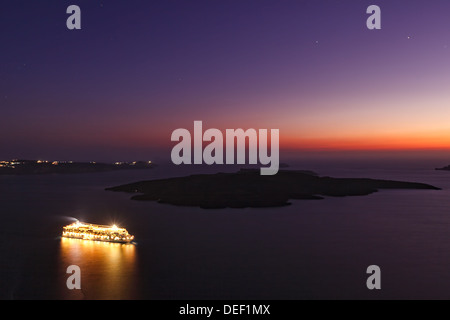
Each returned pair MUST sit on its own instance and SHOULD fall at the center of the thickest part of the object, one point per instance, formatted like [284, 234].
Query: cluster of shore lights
[96, 232]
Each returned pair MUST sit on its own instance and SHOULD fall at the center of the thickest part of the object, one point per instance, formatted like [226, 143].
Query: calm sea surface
[309, 250]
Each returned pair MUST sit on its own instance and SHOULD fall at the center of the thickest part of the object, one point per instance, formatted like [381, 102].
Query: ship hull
[101, 240]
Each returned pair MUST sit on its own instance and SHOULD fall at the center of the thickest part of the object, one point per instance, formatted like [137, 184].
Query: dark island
[22, 167]
[247, 188]
[447, 168]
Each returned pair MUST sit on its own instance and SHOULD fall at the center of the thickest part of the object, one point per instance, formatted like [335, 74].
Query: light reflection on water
[108, 270]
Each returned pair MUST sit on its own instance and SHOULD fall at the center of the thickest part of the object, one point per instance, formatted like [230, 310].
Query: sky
[137, 70]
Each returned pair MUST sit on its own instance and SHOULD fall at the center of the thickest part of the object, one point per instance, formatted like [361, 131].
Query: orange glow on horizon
[369, 142]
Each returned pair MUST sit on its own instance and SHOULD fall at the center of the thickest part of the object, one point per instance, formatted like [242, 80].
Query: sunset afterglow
[314, 71]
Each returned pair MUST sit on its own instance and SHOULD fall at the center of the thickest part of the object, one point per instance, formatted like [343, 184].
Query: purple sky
[140, 69]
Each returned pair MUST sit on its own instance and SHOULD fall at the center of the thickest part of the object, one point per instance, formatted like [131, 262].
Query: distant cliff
[23, 167]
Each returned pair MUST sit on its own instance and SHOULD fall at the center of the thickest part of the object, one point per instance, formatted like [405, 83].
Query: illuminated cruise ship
[89, 231]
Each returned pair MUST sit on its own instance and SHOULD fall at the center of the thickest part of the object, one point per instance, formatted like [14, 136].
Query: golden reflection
[107, 269]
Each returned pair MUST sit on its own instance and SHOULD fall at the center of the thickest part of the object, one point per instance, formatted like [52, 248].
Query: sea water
[312, 249]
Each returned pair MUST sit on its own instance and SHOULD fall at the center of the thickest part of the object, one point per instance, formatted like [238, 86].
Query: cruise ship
[96, 232]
